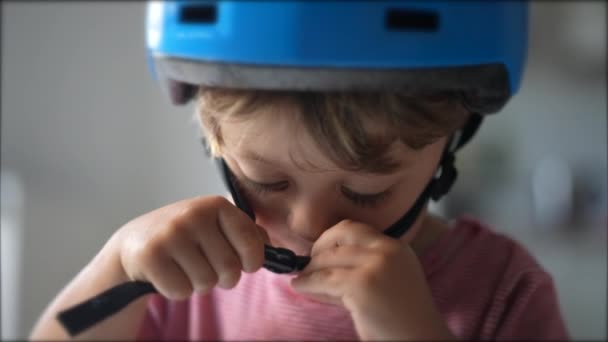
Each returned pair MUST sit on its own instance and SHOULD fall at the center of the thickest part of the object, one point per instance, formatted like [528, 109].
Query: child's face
[297, 193]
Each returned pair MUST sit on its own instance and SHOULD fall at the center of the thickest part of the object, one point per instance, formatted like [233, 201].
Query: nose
[309, 218]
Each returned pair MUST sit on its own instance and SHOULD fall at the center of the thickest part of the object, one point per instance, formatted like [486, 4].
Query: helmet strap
[442, 181]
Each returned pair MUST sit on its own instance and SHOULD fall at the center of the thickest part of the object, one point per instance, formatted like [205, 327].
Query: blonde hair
[356, 128]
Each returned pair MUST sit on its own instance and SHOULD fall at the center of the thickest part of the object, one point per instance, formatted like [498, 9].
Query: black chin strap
[440, 184]
[231, 183]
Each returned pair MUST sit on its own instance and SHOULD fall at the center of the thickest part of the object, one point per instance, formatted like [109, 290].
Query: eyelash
[262, 189]
[365, 201]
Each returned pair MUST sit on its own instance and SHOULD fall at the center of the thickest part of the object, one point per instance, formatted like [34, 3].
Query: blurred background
[89, 143]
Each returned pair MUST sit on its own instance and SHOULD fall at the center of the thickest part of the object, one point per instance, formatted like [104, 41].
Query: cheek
[269, 213]
[394, 208]
[397, 206]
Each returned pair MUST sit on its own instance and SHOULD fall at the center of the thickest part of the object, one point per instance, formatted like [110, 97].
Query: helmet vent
[398, 19]
[198, 14]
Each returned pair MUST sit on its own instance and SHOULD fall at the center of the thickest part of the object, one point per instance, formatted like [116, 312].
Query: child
[324, 173]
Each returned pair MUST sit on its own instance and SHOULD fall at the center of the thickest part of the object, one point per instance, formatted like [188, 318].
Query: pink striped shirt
[485, 285]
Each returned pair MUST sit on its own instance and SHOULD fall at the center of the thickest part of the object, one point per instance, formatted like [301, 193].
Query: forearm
[103, 272]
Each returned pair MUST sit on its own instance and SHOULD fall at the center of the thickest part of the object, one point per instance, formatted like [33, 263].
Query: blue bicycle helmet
[477, 48]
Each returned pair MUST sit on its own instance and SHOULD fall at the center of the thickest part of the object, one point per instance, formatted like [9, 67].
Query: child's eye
[362, 200]
[366, 200]
[262, 188]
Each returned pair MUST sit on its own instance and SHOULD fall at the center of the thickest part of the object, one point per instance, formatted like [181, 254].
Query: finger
[327, 283]
[327, 275]
[193, 262]
[323, 298]
[221, 256]
[244, 235]
[263, 235]
[167, 277]
[346, 232]
[342, 256]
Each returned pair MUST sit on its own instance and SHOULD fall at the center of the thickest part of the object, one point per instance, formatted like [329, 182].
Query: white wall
[95, 144]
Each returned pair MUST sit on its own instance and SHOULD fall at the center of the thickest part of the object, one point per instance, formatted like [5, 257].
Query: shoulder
[472, 251]
[470, 243]
[491, 286]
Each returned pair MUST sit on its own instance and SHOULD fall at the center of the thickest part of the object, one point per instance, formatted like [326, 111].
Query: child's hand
[191, 245]
[377, 278]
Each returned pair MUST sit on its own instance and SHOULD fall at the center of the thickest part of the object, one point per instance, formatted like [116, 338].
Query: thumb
[263, 234]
